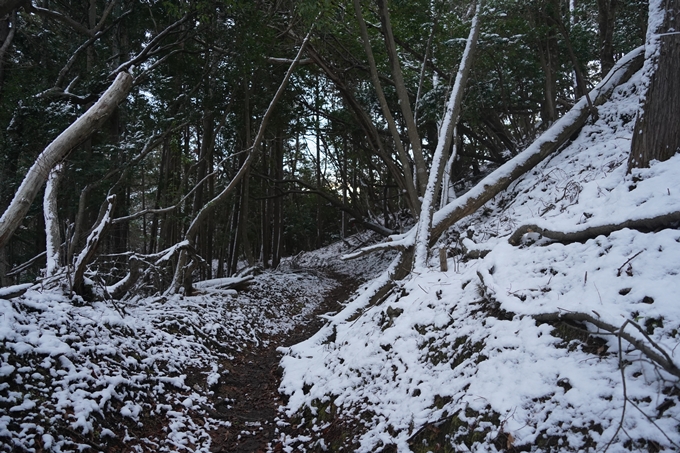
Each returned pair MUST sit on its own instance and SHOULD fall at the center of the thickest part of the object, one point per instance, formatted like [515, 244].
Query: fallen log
[551, 141]
[667, 220]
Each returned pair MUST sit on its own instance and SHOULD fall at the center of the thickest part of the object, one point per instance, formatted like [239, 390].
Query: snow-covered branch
[56, 151]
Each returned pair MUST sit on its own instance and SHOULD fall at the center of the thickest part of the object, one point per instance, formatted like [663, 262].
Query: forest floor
[248, 397]
[193, 373]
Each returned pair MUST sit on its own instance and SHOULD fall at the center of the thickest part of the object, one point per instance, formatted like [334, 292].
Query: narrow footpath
[248, 395]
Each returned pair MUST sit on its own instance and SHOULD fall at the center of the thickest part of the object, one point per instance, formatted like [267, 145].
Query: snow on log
[11, 292]
[549, 142]
[585, 232]
[237, 283]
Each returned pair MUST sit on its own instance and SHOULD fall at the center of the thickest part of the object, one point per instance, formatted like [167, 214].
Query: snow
[462, 346]
[106, 371]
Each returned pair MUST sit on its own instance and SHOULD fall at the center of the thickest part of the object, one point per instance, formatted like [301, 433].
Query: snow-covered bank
[455, 361]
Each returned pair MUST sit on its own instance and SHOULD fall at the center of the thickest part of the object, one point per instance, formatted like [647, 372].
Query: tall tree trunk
[52, 232]
[548, 16]
[606, 20]
[657, 132]
[266, 207]
[453, 108]
[277, 221]
[407, 179]
[404, 101]
[244, 212]
[319, 200]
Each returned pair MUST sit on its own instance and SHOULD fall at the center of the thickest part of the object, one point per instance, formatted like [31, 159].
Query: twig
[625, 394]
[618, 273]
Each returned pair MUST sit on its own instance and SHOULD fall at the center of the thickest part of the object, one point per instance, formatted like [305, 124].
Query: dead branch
[56, 151]
[22, 267]
[668, 220]
[655, 352]
[91, 247]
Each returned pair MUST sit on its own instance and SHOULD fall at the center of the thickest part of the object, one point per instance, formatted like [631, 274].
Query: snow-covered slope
[483, 357]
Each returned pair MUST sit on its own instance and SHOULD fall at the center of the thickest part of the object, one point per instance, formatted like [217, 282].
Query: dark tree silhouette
[657, 135]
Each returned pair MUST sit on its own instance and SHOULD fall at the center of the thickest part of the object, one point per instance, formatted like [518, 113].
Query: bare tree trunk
[606, 20]
[404, 102]
[657, 132]
[265, 204]
[547, 52]
[52, 233]
[244, 212]
[277, 221]
[56, 151]
[450, 119]
[317, 127]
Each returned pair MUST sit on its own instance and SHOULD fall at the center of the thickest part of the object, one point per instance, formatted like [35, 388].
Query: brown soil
[248, 395]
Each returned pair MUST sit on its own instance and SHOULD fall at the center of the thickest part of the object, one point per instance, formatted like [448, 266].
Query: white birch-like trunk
[52, 234]
[448, 192]
[56, 151]
[450, 120]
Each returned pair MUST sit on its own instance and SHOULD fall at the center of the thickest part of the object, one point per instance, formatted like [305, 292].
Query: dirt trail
[248, 395]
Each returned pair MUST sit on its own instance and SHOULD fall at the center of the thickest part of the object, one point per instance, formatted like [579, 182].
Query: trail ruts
[248, 395]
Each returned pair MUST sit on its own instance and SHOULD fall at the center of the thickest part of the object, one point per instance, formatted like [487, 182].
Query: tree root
[668, 220]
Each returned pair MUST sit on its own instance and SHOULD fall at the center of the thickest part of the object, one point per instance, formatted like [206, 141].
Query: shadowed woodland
[240, 132]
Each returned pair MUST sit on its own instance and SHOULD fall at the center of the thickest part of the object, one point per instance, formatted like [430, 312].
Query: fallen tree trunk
[651, 349]
[56, 151]
[667, 220]
[548, 143]
[10, 292]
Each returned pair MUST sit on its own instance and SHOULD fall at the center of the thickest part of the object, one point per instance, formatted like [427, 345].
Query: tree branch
[56, 151]
[667, 220]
